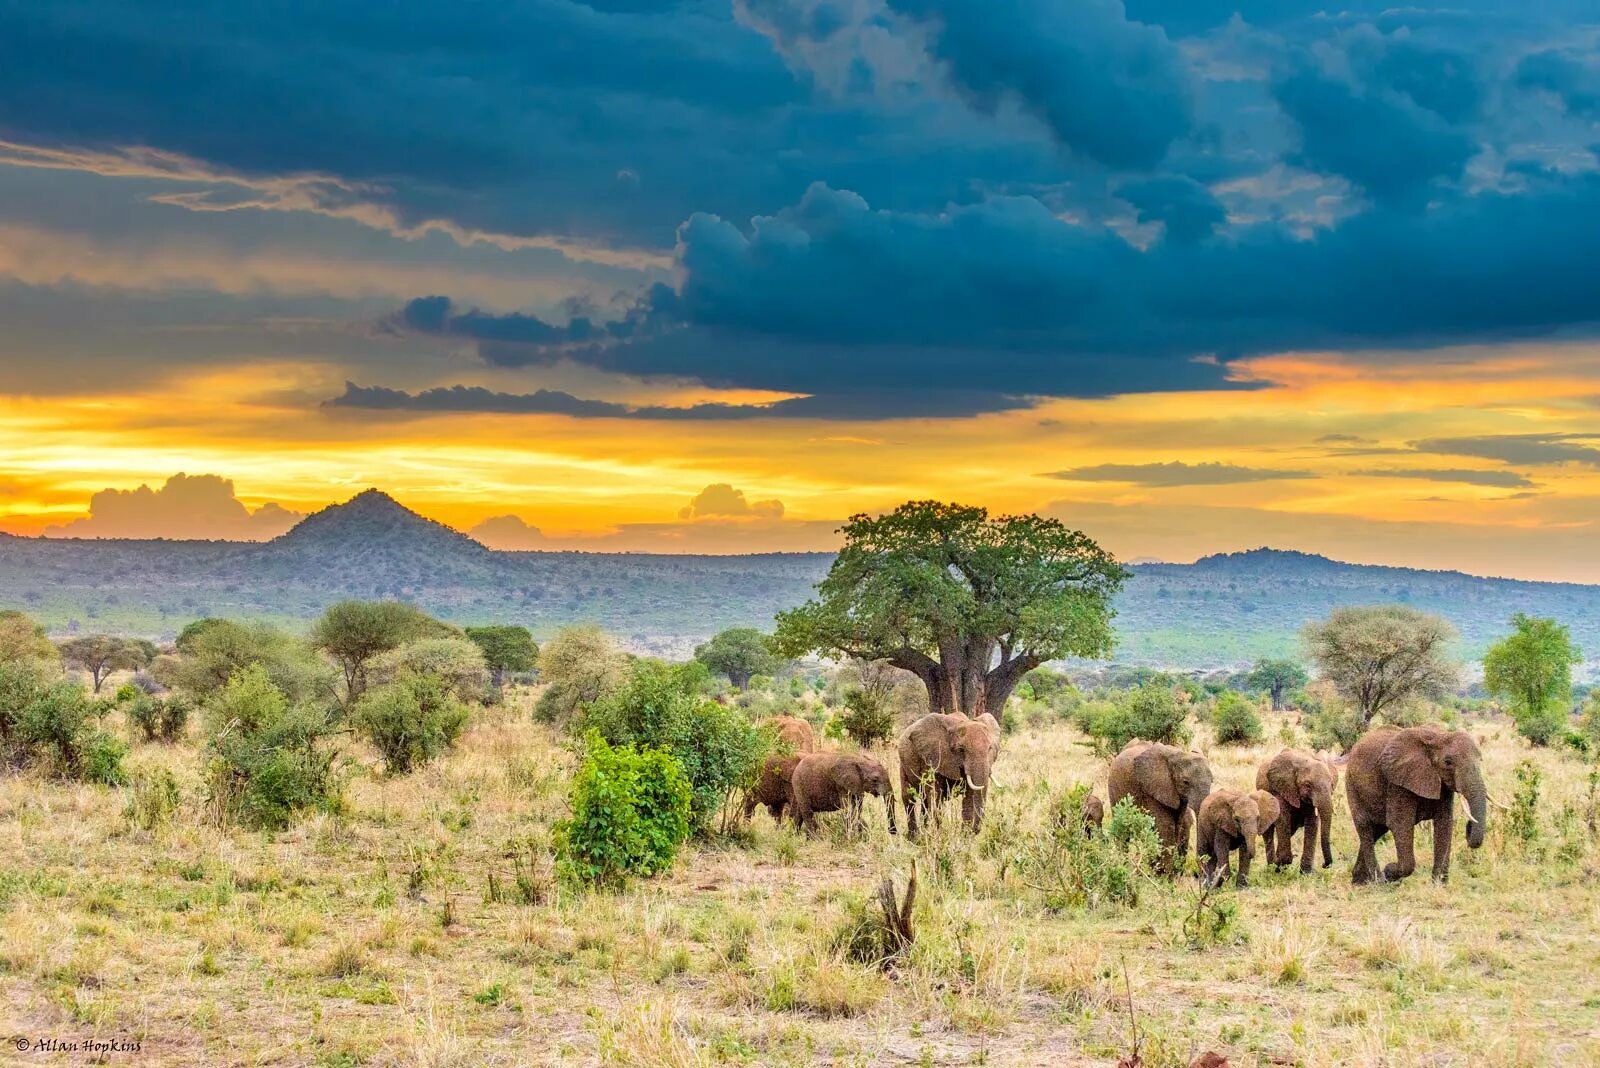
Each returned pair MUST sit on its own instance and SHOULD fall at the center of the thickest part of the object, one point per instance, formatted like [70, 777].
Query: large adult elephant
[1303, 784]
[944, 752]
[1397, 778]
[1167, 782]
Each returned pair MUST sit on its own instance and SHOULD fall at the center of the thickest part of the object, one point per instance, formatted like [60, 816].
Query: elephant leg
[1310, 843]
[911, 797]
[801, 811]
[1443, 835]
[1366, 869]
[1167, 831]
[775, 810]
[750, 803]
[1403, 825]
[1221, 857]
[1280, 847]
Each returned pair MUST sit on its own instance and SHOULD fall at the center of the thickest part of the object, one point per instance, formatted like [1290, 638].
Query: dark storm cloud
[1573, 79]
[1176, 473]
[1499, 479]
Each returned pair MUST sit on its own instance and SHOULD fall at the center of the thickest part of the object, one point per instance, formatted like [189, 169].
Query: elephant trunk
[1324, 806]
[1471, 786]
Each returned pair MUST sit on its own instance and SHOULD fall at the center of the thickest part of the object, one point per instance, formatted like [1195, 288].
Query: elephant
[1167, 782]
[1303, 785]
[793, 734]
[1094, 814]
[828, 782]
[772, 785]
[942, 752]
[1232, 820]
[1398, 777]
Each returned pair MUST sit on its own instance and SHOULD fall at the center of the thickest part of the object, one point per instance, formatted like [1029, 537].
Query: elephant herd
[1395, 778]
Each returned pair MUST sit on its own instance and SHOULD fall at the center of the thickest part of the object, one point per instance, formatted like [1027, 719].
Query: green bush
[630, 814]
[867, 718]
[1076, 871]
[1540, 726]
[1150, 712]
[410, 721]
[57, 725]
[164, 719]
[155, 797]
[1334, 725]
[264, 762]
[661, 707]
[1234, 720]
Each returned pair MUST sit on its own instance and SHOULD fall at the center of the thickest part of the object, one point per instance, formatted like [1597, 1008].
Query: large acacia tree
[967, 602]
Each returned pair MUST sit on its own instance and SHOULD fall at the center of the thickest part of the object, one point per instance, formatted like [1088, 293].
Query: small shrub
[1150, 712]
[630, 813]
[102, 759]
[56, 725]
[867, 718]
[1234, 720]
[154, 801]
[1334, 725]
[409, 721]
[264, 761]
[1522, 818]
[1073, 870]
[1541, 725]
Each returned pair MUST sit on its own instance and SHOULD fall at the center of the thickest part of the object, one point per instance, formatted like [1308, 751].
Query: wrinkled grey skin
[1167, 782]
[772, 786]
[1303, 784]
[944, 752]
[1396, 778]
[1229, 821]
[828, 782]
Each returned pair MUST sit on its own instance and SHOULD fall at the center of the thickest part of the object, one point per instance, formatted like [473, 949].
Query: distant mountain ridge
[1222, 610]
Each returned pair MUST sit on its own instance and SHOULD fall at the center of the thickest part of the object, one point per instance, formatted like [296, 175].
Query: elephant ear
[1406, 763]
[1270, 809]
[1283, 781]
[991, 725]
[1153, 772]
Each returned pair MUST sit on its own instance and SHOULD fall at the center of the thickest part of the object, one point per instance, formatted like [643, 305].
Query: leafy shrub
[661, 707]
[216, 652]
[1540, 726]
[1076, 871]
[1334, 724]
[580, 665]
[55, 724]
[1234, 720]
[630, 813]
[867, 718]
[456, 663]
[1522, 817]
[155, 798]
[410, 721]
[264, 763]
[1150, 712]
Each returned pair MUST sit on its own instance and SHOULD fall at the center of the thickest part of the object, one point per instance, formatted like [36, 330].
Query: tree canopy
[22, 640]
[505, 649]
[353, 632]
[967, 602]
[1531, 669]
[739, 653]
[1379, 657]
[101, 654]
[1277, 678]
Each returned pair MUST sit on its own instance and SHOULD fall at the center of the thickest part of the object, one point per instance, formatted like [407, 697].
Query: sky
[713, 276]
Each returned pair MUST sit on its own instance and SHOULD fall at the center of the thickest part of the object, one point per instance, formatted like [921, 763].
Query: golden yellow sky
[1337, 455]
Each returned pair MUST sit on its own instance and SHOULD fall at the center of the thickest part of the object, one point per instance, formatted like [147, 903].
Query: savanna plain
[423, 924]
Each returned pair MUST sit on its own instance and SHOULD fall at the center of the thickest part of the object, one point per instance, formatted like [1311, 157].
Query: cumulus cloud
[1176, 473]
[186, 507]
[722, 501]
[509, 533]
[1498, 479]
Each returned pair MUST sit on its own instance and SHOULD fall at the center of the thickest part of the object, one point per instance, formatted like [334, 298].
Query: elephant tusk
[1496, 804]
[1465, 807]
[972, 785]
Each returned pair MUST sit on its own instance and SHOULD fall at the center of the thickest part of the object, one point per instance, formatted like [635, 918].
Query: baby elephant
[1094, 814]
[772, 786]
[1230, 820]
[828, 782]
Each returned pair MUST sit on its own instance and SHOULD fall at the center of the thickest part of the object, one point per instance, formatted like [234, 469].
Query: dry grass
[373, 938]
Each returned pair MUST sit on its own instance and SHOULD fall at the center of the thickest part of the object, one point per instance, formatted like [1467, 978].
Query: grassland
[378, 937]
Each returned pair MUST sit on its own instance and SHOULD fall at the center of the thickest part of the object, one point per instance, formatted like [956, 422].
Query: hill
[1221, 610]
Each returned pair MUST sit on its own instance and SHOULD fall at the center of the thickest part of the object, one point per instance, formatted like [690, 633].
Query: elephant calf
[772, 786]
[1232, 820]
[828, 782]
[1094, 814]
[1303, 784]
